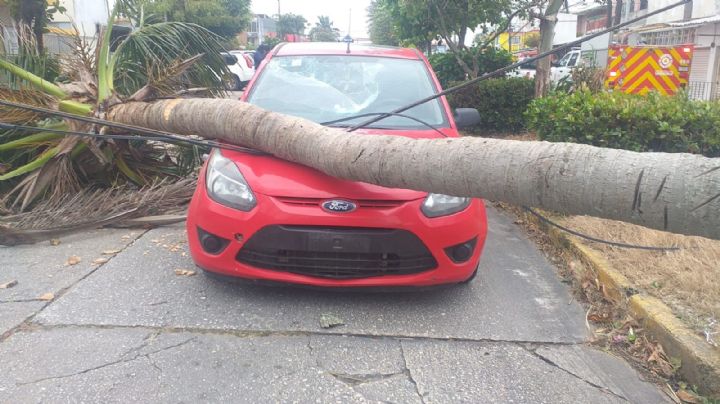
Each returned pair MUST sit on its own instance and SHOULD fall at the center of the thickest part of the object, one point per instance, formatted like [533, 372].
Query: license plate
[337, 242]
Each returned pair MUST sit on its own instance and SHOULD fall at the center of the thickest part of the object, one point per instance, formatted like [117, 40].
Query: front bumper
[241, 228]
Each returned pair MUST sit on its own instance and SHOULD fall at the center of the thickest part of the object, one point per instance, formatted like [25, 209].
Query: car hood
[275, 177]
[280, 178]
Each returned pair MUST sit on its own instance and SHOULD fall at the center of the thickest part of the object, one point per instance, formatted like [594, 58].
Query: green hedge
[652, 122]
[447, 69]
[501, 102]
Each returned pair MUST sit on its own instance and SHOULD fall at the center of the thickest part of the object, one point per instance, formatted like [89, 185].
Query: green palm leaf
[147, 52]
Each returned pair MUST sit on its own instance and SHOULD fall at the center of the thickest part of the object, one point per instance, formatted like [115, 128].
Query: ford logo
[339, 206]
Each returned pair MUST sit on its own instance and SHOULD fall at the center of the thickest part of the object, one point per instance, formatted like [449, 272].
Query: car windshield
[333, 87]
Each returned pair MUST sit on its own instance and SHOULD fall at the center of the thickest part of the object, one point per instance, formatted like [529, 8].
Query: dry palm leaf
[24, 96]
[93, 209]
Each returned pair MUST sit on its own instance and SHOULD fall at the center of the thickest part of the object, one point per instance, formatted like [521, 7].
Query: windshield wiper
[350, 118]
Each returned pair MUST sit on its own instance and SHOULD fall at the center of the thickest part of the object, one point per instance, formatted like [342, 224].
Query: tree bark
[675, 192]
[547, 33]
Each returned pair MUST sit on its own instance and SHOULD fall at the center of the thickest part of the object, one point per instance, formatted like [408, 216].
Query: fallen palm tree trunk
[678, 192]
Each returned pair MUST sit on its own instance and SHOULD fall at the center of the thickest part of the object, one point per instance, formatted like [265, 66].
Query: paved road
[130, 329]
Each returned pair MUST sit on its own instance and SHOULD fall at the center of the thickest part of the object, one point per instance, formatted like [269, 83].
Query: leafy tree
[420, 21]
[324, 31]
[222, 17]
[485, 60]
[380, 24]
[291, 24]
[413, 25]
[532, 40]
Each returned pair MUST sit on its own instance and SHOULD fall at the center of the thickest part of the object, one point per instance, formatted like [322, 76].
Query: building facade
[261, 26]
[81, 17]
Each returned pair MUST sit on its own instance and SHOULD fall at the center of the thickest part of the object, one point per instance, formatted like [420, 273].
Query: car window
[564, 61]
[573, 59]
[330, 87]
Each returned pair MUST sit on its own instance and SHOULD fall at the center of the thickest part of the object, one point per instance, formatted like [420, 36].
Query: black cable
[36, 129]
[597, 240]
[152, 132]
[517, 64]
[203, 143]
[348, 118]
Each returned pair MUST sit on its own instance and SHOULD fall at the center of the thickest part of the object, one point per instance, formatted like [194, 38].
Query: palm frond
[165, 81]
[23, 96]
[92, 208]
[31, 166]
[153, 48]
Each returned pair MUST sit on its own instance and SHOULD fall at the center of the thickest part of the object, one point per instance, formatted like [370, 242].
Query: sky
[339, 12]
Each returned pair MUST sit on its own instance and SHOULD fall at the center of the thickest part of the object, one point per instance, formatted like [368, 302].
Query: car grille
[337, 252]
[362, 203]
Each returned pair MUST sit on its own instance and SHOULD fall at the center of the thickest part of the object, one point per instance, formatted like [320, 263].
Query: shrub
[582, 77]
[652, 122]
[501, 102]
[448, 70]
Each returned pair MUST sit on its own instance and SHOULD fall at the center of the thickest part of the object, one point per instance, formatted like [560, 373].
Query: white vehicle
[563, 67]
[240, 64]
[526, 70]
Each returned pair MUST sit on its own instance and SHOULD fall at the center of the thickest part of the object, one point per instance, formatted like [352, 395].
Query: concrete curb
[700, 361]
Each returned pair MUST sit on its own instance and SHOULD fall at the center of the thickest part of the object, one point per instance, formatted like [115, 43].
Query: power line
[597, 240]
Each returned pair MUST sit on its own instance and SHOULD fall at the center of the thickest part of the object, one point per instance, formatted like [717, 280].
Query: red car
[262, 218]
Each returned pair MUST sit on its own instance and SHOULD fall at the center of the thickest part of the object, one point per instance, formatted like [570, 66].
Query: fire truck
[640, 69]
[635, 69]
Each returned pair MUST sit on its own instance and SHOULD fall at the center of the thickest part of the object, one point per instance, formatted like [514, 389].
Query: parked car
[241, 69]
[246, 57]
[526, 70]
[563, 67]
[263, 218]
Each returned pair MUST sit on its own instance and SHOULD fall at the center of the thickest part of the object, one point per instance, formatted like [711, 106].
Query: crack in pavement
[22, 301]
[409, 373]
[116, 362]
[247, 333]
[352, 380]
[533, 351]
[147, 340]
[64, 290]
[357, 379]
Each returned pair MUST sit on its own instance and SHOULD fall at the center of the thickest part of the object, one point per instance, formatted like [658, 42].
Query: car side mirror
[466, 117]
[554, 64]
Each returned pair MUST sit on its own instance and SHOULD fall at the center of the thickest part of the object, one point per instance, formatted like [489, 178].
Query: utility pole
[278, 10]
[349, 22]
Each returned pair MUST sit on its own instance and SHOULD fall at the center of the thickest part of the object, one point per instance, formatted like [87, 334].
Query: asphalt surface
[131, 329]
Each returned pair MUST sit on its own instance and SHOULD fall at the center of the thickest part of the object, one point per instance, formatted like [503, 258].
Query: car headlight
[226, 185]
[436, 205]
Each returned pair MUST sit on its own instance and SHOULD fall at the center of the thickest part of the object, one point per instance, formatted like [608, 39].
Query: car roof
[340, 48]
